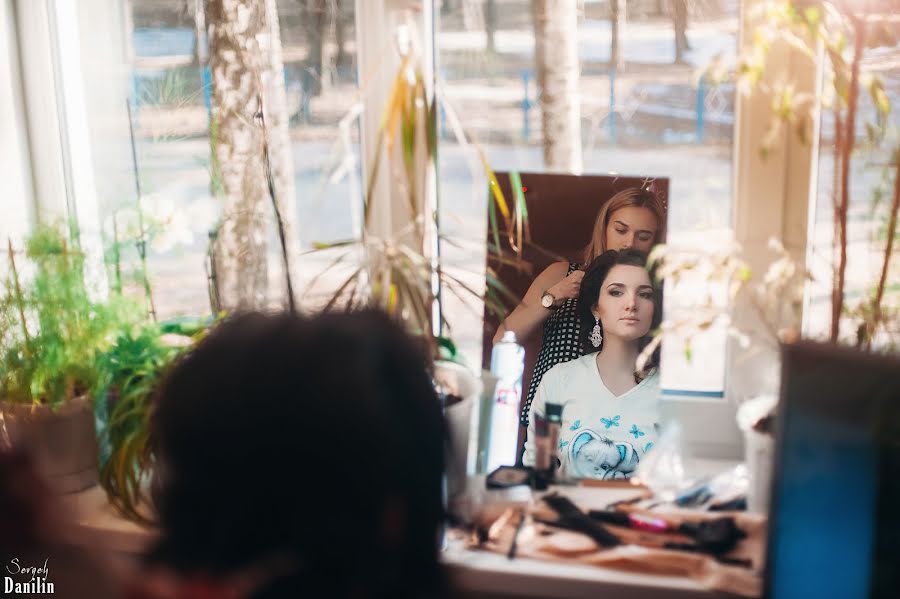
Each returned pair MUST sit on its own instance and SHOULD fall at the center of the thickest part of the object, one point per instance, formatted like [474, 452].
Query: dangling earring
[596, 334]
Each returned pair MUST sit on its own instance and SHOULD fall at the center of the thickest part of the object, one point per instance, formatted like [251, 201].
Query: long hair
[632, 197]
[592, 283]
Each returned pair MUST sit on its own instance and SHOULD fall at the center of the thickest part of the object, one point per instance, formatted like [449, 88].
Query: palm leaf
[337, 294]
[319, 246]
[515, 182]
[493, 282]
[312, 282]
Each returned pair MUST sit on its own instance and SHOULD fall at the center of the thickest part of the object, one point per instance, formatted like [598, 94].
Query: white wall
[106, 74]
[16, 193]
[65, 148]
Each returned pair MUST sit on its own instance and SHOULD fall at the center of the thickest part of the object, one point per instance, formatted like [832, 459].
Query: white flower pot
[759, 451]
[458, 380]
[759, 454]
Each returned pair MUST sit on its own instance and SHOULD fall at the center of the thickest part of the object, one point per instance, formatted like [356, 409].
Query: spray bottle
[507, 364]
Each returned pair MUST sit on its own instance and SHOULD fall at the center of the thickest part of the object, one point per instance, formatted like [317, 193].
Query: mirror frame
[561, 213]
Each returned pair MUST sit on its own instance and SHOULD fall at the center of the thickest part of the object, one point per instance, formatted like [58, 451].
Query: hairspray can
[507, 364]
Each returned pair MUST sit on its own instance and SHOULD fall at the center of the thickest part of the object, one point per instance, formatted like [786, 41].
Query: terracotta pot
[63, 441]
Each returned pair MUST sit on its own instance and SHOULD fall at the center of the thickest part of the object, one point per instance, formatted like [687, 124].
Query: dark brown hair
[592, 283]
[316, 439]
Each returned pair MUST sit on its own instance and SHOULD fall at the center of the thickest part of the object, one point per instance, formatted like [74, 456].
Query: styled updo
[594, 277]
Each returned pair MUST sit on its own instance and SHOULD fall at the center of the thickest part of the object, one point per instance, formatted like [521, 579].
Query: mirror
[562, 210]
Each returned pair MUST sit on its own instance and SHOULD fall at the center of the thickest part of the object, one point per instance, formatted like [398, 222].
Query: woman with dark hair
[610, 410]
[634, 218]
[299, 456]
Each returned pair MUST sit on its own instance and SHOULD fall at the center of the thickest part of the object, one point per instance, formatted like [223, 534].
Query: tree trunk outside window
[246, 71]
[558, 71]
[281, 159]
[617, 27]
[679, 22]
[313, 17]
[490, 24]
[343, 58]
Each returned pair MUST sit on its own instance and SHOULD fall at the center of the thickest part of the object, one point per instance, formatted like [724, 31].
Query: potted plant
[847, 38]
[771, 305]
[51, 334]
[846, 35]
[399, 270]
[129, 373]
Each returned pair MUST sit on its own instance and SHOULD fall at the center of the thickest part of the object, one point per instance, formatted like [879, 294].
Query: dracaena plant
[398, 273]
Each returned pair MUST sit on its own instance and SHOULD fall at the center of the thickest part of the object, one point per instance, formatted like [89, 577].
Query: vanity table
[476, 574]
[484, 574]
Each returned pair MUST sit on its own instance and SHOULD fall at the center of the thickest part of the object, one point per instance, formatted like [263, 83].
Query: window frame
[766, 195]
[54, 111]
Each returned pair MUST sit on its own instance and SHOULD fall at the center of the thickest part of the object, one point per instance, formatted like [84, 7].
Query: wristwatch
[547, 300]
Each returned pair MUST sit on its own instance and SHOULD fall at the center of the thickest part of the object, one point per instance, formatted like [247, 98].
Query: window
[647, 113]
[138, 85]
[872, 167]
[15, 186]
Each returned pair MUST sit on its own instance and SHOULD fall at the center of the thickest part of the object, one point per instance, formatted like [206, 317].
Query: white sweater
[603, 435]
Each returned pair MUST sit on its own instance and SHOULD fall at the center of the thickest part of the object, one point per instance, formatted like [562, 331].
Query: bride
[610, 411]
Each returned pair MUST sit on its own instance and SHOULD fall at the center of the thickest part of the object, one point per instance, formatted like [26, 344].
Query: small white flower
[125, 223]
[170, 238]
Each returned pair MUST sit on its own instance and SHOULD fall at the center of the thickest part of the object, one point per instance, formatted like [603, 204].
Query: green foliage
[129, 374]
[447, 350]
[396, 273]
[51, 329]
[845, 33]
[57, 342]
[803, 27]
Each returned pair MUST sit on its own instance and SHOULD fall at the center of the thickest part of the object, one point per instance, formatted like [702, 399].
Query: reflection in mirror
[585, 314]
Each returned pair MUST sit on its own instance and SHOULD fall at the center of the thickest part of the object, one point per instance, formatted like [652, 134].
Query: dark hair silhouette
[33, 525]
[594, 276]
[316, 442]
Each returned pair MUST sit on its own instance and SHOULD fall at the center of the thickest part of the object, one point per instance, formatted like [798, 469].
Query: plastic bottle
[507, 364]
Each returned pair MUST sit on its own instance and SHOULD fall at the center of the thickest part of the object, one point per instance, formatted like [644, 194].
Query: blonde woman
[632, 219]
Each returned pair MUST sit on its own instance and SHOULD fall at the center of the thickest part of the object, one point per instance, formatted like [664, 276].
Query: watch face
[546, 300]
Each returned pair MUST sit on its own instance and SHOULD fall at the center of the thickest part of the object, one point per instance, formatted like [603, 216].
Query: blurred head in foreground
[299, 453]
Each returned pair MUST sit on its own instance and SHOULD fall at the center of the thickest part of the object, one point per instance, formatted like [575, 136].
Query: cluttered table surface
[493, 575]
[478, 571]
[549, 562]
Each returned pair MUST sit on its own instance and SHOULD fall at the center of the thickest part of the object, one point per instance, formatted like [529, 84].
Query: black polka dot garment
[560, 343]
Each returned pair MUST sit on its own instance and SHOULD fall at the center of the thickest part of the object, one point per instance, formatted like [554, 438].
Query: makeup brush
[572, 518]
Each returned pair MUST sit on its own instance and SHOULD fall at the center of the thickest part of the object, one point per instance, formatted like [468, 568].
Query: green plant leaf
[813, 15]
[879, 96]
[523, 231]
